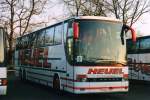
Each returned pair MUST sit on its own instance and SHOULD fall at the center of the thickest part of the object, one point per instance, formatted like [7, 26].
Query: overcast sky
[142, 26]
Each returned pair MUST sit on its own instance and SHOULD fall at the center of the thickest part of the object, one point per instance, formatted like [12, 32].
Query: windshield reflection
[99, 42]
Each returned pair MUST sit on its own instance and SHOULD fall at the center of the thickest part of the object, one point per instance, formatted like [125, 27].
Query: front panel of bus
[98, 56]
[3, 72]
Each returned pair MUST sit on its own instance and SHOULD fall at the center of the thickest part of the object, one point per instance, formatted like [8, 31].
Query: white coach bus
[139, 58]
[80, 55]
[3, 69]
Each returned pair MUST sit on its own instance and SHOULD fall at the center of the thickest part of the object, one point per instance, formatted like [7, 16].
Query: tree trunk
[10, 52]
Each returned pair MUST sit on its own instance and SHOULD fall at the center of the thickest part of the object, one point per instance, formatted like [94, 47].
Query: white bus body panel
[140, 70]
[3, 72]
[96, 87]
[66, 72]
[3, 75]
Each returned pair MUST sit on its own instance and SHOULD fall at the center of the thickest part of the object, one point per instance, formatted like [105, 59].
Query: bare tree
[85, 7]
[128, 10]
[74, 6]
[93, 7]
[16, 15]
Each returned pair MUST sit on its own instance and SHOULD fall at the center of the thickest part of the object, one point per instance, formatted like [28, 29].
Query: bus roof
[99, 18]
[81, 17]
[141, 37]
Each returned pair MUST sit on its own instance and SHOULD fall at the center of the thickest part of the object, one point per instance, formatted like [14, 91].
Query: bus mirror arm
[122, 34]
[133, 34]
[125, 28]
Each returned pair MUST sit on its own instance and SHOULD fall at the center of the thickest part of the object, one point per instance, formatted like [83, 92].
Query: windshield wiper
[104, 60]
[122, 63]
[100, 59]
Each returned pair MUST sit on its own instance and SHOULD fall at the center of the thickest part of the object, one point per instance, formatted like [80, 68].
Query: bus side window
[49, 36]
[145, 44]
[30, 41]
[23, 42]
[41, 37]
[20, 43]
[17, 44]
[69, 46]
[70, 29]
[26, 41]
[132, 47]
[33, 40]
[65, 32]
[70, 49]
[58, 34]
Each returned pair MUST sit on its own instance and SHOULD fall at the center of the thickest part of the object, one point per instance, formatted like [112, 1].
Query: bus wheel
[56, 83]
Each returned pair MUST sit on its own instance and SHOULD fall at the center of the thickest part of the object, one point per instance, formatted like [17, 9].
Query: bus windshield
[1, 46]
[99, 43]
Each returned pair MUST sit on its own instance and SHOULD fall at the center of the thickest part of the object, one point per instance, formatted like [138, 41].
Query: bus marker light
[76, 30]
[125, 76]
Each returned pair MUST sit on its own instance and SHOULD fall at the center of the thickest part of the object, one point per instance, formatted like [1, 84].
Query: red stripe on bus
[95, 88]
[102, 66]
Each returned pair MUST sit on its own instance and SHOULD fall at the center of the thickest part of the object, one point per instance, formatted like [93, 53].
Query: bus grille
[104, 79]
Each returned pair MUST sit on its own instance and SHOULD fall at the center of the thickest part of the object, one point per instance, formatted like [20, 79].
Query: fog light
[4, 82]
[81, 78]
[126, 87]
[125, 77]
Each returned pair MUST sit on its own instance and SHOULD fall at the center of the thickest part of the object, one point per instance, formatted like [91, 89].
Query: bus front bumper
[94, 87]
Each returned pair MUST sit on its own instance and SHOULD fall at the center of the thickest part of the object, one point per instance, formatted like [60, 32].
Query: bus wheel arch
[56, 82]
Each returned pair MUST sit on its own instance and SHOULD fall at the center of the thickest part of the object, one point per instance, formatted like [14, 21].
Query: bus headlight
[125, 77]
[81, 78]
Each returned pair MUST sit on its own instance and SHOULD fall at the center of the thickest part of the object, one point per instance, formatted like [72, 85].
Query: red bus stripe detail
[102, 66]
[95, 88]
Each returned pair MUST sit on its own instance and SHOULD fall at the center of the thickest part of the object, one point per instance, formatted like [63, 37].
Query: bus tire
[56, 83]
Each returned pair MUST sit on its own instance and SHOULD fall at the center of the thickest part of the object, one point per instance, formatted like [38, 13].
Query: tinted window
[99, 42]
[19, 43]
[70, 29]
[145, 43]
[24, 42]
[33, 39]
[49, 36]
[132, 47]
[41, 38]
[1, 46]
[65, 31]
[58, 34]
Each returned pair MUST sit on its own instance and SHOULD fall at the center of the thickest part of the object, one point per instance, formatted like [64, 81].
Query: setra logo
[105, 71]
